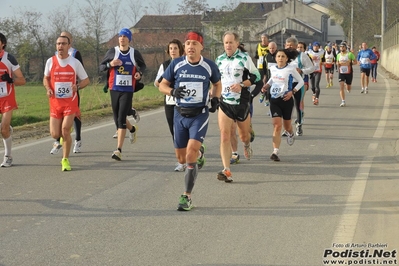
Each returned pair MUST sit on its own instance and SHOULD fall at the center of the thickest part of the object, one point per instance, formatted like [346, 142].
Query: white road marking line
[346, 228]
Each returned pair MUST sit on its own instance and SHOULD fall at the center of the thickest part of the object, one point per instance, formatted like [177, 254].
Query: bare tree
[63, 19]
[18, 42]
[229, 5]
[14, 30]
[95, 18]
[137, 10]
[161, 7]
[115, 13]
[193, 7]
[366, 17]
[37, 35]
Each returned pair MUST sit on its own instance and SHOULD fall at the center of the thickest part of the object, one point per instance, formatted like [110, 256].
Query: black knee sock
[78, 128]
[190, 176]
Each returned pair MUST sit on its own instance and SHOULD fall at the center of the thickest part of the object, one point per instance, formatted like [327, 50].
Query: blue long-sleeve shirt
[364, 57]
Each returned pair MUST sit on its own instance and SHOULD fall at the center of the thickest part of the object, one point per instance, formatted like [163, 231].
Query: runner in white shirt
[316, 54]
[304, 66]
[238, 73]
[175, 49]
[281, 96]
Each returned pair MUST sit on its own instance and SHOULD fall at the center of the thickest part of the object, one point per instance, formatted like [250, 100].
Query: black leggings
[315, 82]
[374, 70]
[77, 123]
[169, 113]
[121, 103]
[298, 96]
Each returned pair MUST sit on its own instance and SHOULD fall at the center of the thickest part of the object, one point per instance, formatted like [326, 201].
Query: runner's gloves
[6, 77]
[214, 104]
[179, 93]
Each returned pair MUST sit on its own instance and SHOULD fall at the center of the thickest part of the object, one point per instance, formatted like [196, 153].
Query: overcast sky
[10, 7]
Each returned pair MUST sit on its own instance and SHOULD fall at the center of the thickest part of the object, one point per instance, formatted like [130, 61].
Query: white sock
[7, 146]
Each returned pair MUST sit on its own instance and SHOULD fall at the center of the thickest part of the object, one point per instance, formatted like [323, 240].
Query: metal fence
[391, 35]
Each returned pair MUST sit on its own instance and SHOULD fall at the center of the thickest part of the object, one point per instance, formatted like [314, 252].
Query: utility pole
[352, 25]
[383, 21]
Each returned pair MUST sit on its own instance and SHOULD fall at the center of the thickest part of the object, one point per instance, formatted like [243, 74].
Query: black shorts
[347, 78]
[365, 71]
[329, 70]
[281, 108]
[238, 112]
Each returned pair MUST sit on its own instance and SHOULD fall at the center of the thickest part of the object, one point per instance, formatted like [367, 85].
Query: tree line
[366, 18]
[31, 34]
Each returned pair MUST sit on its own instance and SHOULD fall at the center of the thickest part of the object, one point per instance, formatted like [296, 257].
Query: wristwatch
[242, 85]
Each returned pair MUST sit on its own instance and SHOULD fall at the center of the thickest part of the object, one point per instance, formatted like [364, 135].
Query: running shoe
[362, 91]
[117, 155]
[180, 167]
[185, 203]
[135, 115]
[375, 80]
[285, 133]
[248, 151]
[274, 157]
[225, 175]
[115, 136]
[366, 90]
[313, 97]
[252, 134]
[201, 160]
[7, 162]
[77, 147]
[328, 85]
[133, 136]
[316, 101]
[235, 158]
[303, 119]
[65, 166]
[261, 98]
[299, 131]
[342, 104]
[291, 139]
[56, 147]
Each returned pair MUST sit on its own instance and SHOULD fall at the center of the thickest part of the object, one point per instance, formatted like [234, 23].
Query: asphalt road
[336, 189]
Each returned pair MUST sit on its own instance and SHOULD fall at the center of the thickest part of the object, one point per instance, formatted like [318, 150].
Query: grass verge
[33, 106]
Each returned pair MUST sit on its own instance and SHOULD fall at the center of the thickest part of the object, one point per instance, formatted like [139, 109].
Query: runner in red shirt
[59, 80]
[374, 64]
[10, 76]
